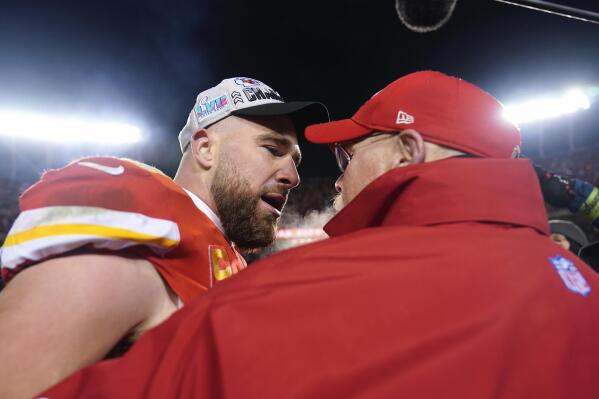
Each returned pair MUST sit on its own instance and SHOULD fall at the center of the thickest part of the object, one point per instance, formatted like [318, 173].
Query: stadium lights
[65, 130]
[544, 108]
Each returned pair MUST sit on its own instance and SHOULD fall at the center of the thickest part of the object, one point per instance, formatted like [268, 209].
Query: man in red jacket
[439, 280]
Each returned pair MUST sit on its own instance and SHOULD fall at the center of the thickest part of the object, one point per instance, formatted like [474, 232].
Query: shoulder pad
[101, 202]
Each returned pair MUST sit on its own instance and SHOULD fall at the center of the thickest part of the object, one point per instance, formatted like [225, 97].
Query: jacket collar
[447, 191]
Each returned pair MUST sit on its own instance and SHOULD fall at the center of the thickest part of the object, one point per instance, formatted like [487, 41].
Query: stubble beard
[237, 207]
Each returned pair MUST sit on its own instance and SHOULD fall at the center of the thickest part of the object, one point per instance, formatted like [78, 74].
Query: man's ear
[202, 149]
[411, 146]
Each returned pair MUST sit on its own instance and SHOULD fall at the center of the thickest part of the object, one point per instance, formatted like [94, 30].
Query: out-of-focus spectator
[582, 164]
[590, 254]
[313, 194]
[568, 235]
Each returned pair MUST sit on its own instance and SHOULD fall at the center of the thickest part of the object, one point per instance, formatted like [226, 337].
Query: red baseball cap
[445, 110]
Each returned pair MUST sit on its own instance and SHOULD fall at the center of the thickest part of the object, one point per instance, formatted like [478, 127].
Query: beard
[237, 206]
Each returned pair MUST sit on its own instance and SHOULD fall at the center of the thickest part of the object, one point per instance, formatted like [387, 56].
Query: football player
[106, 248]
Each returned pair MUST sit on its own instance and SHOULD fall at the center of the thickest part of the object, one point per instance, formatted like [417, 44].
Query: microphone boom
[556, 9]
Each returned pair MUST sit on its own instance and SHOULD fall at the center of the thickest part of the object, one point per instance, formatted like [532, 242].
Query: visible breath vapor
[300, 229]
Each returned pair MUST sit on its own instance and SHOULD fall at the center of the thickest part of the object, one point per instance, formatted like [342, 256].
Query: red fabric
[414, 308]
[187, 268]
[444, 109]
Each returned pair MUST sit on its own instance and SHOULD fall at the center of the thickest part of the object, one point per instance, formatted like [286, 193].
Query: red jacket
[439, 282]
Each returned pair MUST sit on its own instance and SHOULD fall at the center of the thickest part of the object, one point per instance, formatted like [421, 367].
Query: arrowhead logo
[403, 118]
[236, 96]
[219, 263]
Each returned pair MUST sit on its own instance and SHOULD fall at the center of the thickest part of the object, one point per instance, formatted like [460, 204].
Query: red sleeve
[101, 203]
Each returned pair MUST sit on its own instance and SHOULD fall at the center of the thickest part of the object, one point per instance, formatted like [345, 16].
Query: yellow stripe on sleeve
[87, 229]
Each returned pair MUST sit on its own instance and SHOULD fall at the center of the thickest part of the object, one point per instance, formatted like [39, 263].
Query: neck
[196, 181]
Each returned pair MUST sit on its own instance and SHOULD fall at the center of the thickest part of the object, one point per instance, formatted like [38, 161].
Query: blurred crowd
[584, 164]
[309, 204]
[9, 203]
[313, 194]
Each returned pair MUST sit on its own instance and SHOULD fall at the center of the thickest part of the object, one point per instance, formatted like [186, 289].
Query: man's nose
[288, 176]
[339, 184]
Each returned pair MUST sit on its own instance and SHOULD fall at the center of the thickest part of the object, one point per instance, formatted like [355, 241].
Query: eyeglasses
[343, 156]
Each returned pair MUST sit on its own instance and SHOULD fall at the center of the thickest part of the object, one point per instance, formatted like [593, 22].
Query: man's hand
[66, 313]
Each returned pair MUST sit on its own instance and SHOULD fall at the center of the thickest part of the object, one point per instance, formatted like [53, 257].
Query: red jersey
[113, 205]
[440, 281]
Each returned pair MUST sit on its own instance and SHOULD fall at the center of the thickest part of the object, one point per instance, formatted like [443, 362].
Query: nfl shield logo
[570, 275]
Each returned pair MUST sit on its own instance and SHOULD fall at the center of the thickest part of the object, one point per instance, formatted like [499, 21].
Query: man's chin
[338, 203]
[263, 232]
[256, 244]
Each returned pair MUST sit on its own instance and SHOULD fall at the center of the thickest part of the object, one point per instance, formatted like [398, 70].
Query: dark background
[144, 63]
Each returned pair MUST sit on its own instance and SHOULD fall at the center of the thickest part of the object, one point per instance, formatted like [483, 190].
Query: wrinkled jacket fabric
[439, 281]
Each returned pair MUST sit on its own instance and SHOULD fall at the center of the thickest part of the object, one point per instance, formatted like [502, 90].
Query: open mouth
[276, 201]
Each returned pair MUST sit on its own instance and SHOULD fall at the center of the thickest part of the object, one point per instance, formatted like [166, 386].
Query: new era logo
[403, 118]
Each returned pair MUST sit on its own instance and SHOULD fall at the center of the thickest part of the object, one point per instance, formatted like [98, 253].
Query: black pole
[556, 9]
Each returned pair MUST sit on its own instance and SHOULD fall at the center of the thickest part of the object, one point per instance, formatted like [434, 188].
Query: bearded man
[117, 246]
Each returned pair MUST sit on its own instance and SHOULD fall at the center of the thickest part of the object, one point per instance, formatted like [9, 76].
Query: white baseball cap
[246, 97]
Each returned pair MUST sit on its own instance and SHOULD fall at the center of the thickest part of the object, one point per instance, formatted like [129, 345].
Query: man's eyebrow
[283, 141]
[278, 138]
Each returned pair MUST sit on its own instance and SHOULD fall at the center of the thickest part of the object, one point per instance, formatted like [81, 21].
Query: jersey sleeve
[100, 203]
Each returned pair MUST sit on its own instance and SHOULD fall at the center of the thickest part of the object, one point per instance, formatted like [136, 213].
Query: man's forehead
[280, 125]
[367, 137]
[352, 142]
